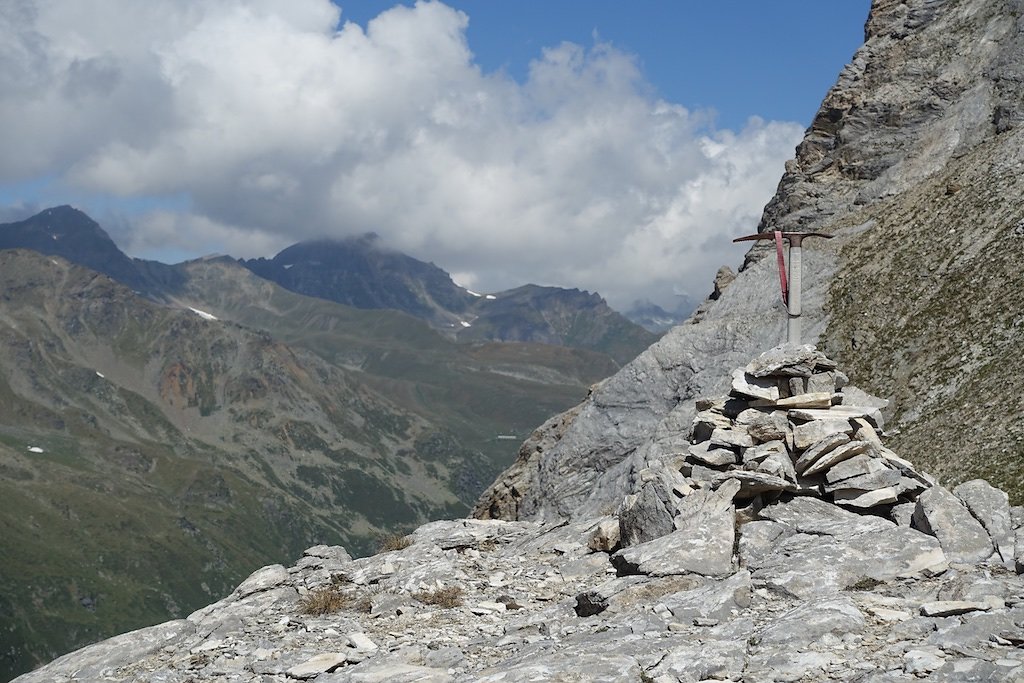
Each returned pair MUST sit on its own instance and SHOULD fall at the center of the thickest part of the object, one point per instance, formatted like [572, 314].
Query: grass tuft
[393, 542]
[326, 600]
[442, 597]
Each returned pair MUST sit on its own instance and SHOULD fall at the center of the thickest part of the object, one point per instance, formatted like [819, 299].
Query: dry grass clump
[326, 600]
[393, 542]
[442, 597]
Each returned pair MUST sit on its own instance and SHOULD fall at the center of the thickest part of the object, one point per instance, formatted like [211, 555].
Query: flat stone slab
[858, 498]
[789, 360]
[93, 662]
[949, 608]
[806, 435]
[708, 454]
[832, 549]
[841, 412]
[942, 515]
[836, 456]
[710, 660]
[388, 673]
[752, 387]
[809, 400]
[567, 665]
[753, 483]
[322, 663]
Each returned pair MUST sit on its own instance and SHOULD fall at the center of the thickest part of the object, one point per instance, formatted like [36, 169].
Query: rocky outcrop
[782, 542]
[911, 163]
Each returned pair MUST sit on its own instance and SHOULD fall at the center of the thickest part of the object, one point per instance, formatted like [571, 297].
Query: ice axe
[790, 290]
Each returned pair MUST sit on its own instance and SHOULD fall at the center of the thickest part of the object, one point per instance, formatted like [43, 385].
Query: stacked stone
[788, 426]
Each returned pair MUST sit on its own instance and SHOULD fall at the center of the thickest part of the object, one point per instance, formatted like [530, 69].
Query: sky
[616, 147]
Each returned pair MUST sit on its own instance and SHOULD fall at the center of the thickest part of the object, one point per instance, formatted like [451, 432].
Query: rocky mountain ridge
[913, 165]
[361, 273]
[745, 556]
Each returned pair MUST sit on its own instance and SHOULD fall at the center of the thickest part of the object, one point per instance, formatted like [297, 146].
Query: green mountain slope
[150, 456]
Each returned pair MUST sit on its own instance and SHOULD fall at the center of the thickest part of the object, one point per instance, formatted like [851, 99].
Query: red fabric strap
[782, 267]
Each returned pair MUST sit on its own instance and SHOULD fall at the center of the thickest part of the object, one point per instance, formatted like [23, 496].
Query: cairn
[787, 426]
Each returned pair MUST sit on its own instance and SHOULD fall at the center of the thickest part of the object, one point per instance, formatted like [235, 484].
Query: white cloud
[278, 126]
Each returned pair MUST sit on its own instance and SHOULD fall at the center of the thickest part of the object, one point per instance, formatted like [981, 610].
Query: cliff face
[913, 163]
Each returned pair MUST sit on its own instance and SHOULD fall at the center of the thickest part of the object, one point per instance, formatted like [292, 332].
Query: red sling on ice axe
[790, 288]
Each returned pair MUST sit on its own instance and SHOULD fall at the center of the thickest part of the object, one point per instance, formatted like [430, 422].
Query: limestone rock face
[912, 294]
[709, 568]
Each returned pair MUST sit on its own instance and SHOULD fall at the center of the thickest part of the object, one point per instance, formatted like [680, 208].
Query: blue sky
[610, 146]
[770, 58]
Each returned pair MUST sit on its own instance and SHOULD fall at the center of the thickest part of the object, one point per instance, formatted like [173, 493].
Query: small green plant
[442, 597]
[326, 600]
[393, 542]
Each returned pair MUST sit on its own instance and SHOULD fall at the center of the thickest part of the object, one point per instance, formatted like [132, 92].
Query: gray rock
[923, 661]
[566, 667]
[778, 465]
[1018, 550]
[771, 426]
[709, 660]
[816, 433]
[841, 412]
[761, 451]
[835, 456]
[991, 507]
[821, 400]
[879, 479]
[858, 466]
[808, 622]
[706, 422]
[374, 672]
[949, 608]
[261, 580]
[788, 360]
[823, 549]
[702, 543]
[903, 513]
[313, 667]
[942, 515]
[710, 455]
[719, 600]
[753, 387]
[752, 483]
[731, 438]
[649, 513]
[95, 662]
[827, 382]
[859, 498]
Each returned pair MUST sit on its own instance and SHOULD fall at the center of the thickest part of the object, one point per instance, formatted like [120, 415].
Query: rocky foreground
[782, 542]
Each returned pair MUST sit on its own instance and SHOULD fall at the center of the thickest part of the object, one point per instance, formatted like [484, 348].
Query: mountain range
[912, 166]
[162, 428]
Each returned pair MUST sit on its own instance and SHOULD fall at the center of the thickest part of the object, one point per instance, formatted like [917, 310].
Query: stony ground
[774, 546]
[518, 621]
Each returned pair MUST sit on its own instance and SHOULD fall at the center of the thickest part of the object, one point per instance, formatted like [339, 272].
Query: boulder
[962, 537]
[701, 544]
[991, 507]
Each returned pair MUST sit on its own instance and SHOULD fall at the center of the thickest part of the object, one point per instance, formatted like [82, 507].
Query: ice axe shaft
[790, 293]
